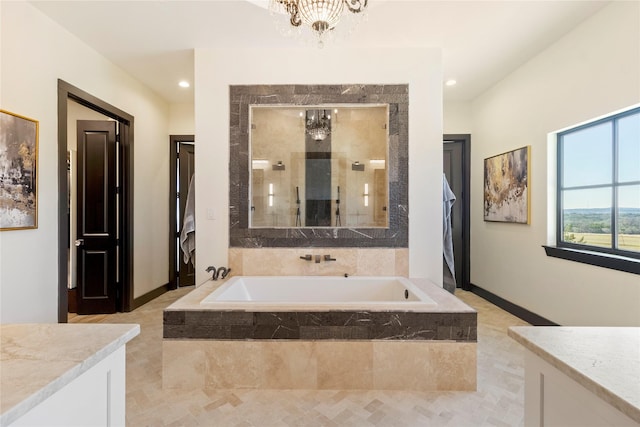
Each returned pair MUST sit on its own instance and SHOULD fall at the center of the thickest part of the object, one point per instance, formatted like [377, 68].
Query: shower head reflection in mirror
[326, 149]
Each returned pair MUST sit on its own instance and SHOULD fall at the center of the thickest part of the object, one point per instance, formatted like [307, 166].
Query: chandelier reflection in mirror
[320, 16]
[318, 124]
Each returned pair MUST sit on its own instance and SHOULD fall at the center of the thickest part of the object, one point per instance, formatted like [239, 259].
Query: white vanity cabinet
[581, 376]
[63, 375]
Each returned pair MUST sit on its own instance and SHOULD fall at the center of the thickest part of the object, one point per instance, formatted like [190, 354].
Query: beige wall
[594, 70]
[28, 86]
[181, 119]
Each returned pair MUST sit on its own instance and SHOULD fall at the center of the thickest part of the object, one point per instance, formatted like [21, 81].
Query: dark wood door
[97, 236]
[186, 165]
[453, 170]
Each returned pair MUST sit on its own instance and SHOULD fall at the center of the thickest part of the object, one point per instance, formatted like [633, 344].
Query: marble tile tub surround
[319, 365]
[326, 325]
[38, 360]
[351, 261]
[241, 97]
[450, 320]
[349, 363]
[497, 402]
[604, 360]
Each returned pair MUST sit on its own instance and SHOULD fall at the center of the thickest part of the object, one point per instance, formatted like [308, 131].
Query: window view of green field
[593, 227]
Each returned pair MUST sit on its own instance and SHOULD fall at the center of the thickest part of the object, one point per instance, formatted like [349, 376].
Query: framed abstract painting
[18, 172]
[507, 192]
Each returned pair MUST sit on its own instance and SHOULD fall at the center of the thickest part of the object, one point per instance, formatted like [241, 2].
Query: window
[599, 186]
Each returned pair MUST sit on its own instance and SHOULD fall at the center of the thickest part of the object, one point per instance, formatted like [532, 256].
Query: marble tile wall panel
[235, 261]
[229, 365]
[222, 365]
[351, 261]
[334, 333]
[330, 365]
[457, 366]
[241, 97]
[437, 366]
[288, 365]
[379, 262]
[345, 366]
[183, 364]
[402, 263]
[328, 325]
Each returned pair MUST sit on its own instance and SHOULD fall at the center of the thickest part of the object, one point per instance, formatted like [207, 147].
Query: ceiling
[481, 41]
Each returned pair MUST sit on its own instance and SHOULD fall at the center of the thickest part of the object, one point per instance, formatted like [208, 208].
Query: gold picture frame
[18, 172]
[507, 187]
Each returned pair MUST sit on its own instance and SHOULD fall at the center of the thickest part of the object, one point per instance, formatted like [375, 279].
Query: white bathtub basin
[315, 293]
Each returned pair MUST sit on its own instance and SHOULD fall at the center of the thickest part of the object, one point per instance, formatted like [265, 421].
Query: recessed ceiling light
[184, 83]
[450, 82]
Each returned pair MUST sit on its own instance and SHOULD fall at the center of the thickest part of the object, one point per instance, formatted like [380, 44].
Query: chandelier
[318, 124]
[320, 16]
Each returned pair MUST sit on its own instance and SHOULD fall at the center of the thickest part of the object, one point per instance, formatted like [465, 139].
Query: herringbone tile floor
[497, 402]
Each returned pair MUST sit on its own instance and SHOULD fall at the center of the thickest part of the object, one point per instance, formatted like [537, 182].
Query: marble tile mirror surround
[243, 97]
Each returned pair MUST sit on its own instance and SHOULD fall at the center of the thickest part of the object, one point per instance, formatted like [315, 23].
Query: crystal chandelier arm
[295, 20]
[356, 6]
[290, 7]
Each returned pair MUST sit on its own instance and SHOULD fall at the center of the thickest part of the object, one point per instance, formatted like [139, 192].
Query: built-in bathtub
[319, 293]
[320, 333]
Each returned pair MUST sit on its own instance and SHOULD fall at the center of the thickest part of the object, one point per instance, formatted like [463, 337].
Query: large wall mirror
[318, 166]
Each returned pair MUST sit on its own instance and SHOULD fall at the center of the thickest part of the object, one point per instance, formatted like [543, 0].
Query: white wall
[593, 70]
[457, 117]
[36, 52]
[216, 69]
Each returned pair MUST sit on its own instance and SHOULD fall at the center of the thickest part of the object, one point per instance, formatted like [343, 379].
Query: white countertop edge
[20, 409]
[609, 396]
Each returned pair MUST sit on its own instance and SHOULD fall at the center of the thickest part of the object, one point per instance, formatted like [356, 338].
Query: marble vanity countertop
[446, 303]
[604, 360]
[37, 360]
